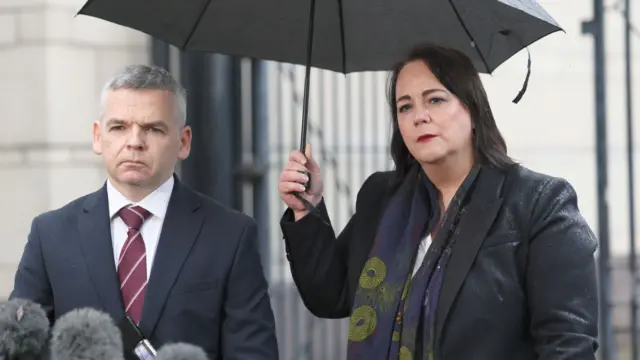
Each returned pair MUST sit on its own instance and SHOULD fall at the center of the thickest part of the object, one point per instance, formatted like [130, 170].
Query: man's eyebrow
[150, 124]
[115, 121]
[160, 124]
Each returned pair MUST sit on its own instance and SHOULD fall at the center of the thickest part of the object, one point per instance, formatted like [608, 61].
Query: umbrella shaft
[307, 77]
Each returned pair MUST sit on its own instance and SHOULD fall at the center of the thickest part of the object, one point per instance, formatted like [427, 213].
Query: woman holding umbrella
[459, 252]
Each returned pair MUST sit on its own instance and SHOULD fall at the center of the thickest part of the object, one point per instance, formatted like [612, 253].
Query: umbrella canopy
[348, 35]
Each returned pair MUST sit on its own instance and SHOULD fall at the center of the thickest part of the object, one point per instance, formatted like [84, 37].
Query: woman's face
[433, 122]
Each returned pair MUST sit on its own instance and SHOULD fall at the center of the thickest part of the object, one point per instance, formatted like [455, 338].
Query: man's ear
[97, 137]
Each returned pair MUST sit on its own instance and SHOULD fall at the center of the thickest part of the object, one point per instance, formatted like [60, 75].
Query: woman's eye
[404, 108]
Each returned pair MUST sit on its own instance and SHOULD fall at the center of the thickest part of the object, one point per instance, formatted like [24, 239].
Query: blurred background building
[246, 116]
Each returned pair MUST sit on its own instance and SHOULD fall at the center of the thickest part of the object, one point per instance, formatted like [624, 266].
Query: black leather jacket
[521, 283]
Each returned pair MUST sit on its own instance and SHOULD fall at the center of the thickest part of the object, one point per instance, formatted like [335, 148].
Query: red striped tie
[132, 263]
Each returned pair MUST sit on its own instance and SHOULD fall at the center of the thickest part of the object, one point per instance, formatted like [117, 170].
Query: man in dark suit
[182, 266]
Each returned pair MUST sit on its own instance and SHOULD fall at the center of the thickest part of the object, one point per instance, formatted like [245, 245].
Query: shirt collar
[156, 202]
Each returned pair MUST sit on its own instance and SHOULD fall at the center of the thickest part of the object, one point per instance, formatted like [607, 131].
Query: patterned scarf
[393, 314]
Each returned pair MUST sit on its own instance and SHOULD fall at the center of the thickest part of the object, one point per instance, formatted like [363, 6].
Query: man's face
[140, 138]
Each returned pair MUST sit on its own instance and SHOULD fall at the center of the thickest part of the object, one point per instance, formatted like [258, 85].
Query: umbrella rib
[466, 30]
[196, 23]
[342, 38]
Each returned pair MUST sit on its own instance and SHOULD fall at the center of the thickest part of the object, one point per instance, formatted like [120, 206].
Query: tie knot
[134, 216]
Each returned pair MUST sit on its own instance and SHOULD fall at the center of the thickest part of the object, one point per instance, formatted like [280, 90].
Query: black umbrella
[345, 35]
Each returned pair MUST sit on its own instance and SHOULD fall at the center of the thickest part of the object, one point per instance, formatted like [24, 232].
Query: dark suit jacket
[521, 282]
[206, 287]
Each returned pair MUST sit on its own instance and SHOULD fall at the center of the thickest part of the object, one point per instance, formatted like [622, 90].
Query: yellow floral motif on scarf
[362, 323]
[373, 273]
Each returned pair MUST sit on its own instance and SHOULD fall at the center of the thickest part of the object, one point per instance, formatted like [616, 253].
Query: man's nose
[136, 137]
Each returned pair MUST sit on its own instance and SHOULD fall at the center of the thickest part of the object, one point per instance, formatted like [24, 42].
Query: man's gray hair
[147, 77]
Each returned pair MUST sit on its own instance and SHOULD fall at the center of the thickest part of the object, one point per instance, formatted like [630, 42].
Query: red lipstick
[426, 137]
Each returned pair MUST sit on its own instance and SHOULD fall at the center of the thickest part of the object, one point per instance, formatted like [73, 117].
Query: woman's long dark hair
[458, 74]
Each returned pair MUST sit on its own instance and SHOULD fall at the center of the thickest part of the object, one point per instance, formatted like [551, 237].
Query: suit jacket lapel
[180, 229]
[473, 226]
[95, 240]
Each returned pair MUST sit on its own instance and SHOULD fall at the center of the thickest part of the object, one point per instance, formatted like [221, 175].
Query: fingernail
[301, 187]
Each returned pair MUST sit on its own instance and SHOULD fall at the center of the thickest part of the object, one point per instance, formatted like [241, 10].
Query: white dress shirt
[422, 252]
[156, 203]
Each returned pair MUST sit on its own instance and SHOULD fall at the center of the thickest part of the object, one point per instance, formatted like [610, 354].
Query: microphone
[86, 334]
[181, 351]
[136, 347]
[24, 330]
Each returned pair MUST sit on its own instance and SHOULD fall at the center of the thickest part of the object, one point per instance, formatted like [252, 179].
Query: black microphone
[24, 330]
[86, 334]
[181, 351]
[136, 347]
